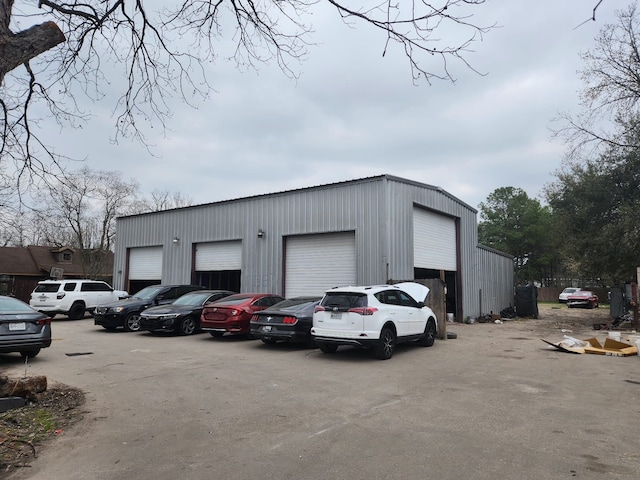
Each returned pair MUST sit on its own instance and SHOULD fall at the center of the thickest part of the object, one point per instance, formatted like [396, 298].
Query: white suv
[73, 297]
[376, 317]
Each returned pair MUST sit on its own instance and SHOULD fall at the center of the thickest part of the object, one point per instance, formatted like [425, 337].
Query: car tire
[216, 334]
[384, 347]
[132, 322]
[30, 353]
[327, 347]
[187, 326]
[76, 312]
[429, 336]
[269, 341]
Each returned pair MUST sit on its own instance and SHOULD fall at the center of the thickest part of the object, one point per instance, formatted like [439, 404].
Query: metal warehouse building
[360, 232]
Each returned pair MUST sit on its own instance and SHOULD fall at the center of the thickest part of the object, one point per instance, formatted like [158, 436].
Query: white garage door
[145, 263]
[315, 263]
[217, 256]
[434, 241]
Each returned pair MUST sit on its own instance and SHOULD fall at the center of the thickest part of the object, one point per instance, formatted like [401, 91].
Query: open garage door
[219, 265]
[315, 263]
[145, 267]
[434, 241]
[434, 253]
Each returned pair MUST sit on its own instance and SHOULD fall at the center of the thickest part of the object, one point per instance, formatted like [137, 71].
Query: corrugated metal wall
[494, 271]
[378, 209]
[350, 206]
[403, 196]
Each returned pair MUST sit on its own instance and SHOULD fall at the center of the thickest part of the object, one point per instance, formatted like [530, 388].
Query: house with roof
[21, 268]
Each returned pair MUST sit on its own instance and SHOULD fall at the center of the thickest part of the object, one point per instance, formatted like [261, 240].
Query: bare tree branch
[153, 52]
[593, 15]
[610, 97]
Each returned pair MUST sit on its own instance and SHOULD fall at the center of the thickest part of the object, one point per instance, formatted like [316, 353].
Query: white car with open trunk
[376, 317]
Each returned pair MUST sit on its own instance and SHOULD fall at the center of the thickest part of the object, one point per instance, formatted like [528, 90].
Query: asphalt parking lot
[495, 403]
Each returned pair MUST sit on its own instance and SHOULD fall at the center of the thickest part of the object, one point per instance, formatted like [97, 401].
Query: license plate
[266, 328]
[336, 316]
[17, 326]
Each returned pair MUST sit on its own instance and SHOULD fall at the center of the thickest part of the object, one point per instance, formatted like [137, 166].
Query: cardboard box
[610, 348]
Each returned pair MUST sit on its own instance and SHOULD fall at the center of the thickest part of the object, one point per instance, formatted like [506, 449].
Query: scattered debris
[75, 354]
[508, 313]
[611, 347]
[26, 429]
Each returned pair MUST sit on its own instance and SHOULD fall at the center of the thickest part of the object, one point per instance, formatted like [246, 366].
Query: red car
[233, 314]
[583, 298]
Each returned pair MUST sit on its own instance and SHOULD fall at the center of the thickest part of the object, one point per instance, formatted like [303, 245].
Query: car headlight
[118, 309]
[169, 317]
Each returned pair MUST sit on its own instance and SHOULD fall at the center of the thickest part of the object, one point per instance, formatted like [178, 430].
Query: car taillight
[44, 321]
[254, 318]
[318, 309]
[363, 310]
[289, 320]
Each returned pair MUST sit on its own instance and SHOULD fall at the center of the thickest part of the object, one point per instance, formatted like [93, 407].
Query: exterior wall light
[176, 240]
[260, 233]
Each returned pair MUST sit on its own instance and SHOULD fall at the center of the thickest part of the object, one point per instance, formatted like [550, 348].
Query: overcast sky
[353, 114]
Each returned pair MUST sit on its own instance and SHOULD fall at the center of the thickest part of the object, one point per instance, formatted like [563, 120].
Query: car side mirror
[421, 304]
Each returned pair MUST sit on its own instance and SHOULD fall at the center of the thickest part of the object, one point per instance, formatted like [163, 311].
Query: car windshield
[192, 299]
[344, 300]
[148, 293]
[47, 287]
[582, 293]
[295, 304]
[13, 305]
[234, 300]
[569, 290]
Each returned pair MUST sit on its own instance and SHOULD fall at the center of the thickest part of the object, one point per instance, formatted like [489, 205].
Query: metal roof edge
[316, 187]
[499, 252]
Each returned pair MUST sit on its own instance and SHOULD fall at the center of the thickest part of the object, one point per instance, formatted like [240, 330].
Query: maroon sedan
[233, 314]
[584, 299]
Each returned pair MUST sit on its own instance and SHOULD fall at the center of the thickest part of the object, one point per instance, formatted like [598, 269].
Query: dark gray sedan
[22, 329]
[288, 321]
[183, 315]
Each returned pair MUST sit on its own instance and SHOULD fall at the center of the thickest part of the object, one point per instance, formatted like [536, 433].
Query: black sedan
[181, 316]
[22, 329]
[288, 321]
